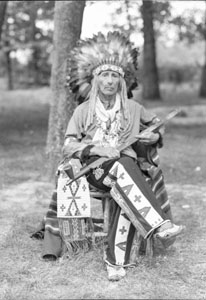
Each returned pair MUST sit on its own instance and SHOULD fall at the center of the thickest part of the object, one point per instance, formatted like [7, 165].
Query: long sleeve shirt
[77, 136]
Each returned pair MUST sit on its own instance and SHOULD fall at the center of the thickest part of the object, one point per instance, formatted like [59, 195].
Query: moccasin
[115, 273]
[168, 233]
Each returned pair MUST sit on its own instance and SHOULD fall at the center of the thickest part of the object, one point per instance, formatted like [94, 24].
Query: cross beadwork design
[137, 198]
[84, 187]
[121, 176]
[64, 188]
[62, 207]
[123, 230]
[84, 206]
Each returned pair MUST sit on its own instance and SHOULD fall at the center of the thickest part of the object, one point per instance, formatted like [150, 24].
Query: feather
[113, 49]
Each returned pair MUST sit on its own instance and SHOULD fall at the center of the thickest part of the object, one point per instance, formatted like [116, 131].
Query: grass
[178, 273]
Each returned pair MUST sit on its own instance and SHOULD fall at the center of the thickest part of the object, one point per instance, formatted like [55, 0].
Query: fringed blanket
[73, 205]
[75, 229]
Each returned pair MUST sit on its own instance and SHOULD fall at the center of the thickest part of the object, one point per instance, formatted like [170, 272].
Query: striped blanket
[77, 230]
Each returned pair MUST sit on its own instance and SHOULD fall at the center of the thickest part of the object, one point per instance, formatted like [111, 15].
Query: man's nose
[110, 79]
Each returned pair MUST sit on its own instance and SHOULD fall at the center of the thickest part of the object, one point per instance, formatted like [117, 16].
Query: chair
[105, 199]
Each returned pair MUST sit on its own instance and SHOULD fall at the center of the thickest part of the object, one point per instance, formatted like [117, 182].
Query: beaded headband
[106, 67]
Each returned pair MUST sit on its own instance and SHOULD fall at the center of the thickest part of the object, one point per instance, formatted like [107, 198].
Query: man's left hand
[148, 138]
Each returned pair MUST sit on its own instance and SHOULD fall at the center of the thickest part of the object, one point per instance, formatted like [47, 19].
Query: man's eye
[104, 74]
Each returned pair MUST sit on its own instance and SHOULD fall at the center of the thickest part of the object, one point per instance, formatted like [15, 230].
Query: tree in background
[67, 30]
[40, 41]
[26, 32]
[191, 29]
[134, 20]
[7, 51]
[35, 45]
[180, 66]
[3, 5]
[150, 73]
[202, 92]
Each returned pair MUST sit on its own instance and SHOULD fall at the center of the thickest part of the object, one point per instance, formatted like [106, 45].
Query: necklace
[109, 131]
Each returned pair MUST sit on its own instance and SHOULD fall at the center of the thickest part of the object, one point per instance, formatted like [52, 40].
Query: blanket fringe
[75, 248]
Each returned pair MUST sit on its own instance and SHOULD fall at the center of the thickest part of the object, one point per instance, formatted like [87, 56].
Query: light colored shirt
[77, 137]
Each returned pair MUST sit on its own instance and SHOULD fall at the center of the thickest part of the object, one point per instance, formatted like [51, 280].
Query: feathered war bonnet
[92, 56]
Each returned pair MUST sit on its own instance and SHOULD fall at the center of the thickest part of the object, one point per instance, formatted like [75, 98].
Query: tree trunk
[67, 29]
[3, 5]
[203, 83]
[35, 48]
[10, 84]
[202, 92]
[7, 51]
[150, 72]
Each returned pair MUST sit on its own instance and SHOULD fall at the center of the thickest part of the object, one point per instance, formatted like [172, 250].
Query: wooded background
[36, 38]
[35, 106]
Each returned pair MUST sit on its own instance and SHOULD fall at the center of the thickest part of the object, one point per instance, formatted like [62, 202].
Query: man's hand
[148, 138]
[109, 152]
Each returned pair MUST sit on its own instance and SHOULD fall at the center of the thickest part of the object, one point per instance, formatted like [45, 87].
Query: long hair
[93, 94]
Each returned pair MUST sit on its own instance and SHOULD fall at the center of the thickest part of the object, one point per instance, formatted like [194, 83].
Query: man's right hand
[109, 152]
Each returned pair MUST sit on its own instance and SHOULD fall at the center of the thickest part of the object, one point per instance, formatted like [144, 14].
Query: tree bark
[202, 92]
[10, 84]
[67, 29]
[3, 5]
[35, 48]
[150, 72]
[7, 50]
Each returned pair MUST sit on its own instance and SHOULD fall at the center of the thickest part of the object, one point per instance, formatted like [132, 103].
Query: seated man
[104, 70]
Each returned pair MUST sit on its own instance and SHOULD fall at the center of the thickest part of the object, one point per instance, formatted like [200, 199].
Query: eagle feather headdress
[93, 55]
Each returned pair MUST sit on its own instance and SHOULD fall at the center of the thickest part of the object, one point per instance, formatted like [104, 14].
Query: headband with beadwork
[106, 67]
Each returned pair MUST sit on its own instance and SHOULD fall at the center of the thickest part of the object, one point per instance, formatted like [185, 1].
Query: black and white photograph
[103, 149]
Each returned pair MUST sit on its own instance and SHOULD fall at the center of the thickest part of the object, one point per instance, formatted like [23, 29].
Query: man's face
[109, 82]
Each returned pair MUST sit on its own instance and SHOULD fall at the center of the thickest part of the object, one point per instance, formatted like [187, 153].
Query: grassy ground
[178, 273]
